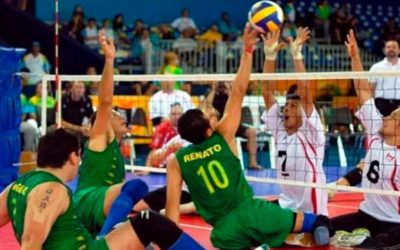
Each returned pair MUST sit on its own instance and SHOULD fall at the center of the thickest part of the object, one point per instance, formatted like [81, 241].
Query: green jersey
[214, 177]
[100, 169]
[66, 233]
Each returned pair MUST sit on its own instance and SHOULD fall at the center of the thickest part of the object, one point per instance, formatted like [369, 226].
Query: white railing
[223, 57]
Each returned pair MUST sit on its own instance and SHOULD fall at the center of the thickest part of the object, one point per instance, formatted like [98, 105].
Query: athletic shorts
[89, 204]
[241, 131]
[252, 223]
[157, 198]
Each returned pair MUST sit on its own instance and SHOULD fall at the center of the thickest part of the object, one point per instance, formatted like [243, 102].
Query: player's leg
[131, 192]
[156, 201]
[149, 227]
[349, 222]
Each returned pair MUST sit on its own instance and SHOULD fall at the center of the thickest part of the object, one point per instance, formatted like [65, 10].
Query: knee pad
[136, 189]
[153, 227]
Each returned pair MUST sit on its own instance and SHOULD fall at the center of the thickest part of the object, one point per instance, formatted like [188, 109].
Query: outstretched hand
[302, 35]
[271, 41]
[351, 44]
[107, 45]
[250, 38]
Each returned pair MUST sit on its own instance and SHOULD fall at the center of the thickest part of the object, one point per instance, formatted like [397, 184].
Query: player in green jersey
[43, 215]
[102, 199]
[212, 171]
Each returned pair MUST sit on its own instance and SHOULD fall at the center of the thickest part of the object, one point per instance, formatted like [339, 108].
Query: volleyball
[266, 16]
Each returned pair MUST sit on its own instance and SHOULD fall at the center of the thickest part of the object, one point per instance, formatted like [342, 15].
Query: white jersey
[299, 157]
[386, 87]
[160, 103]
[381, 170]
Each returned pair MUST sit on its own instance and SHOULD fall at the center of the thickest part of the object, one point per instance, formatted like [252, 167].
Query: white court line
[196, 227]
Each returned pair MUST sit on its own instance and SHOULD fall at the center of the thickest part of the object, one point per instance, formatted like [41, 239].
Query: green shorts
[89, 204]
[99, 244]
[252, 223]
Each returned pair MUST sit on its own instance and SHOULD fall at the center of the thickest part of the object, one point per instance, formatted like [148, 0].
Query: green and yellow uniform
[67, 231]
[225, 200]
[98, 171]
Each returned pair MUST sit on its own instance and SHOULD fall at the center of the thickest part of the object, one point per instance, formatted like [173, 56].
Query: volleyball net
[285, 158]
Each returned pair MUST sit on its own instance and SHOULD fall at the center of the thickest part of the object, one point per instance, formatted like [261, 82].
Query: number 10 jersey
[214, 177]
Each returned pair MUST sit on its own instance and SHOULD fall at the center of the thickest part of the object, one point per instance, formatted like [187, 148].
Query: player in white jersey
[379, 214]
[298, 132]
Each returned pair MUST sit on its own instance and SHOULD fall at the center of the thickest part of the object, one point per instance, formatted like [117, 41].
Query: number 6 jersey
[381, 169]
[299, 157]
[214, 177]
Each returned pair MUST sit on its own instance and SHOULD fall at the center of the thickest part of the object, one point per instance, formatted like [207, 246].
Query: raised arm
[208, 101]
[45, 204]
[271, 48]
[174, 189]
[362, 87]
[231, 119]
[305, 93]
[99, 138]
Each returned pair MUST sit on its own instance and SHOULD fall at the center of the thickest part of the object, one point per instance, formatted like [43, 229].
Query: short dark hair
[292, 93]
[193, 126]
[55, 148]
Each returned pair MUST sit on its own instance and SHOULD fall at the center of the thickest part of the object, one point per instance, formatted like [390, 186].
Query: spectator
[339, 26]
[322, 15]
[387, 90]
[166, 32]
[290, 11]
[90, 34]
[141, 45]
[164, 132]
[107, 28]
[391, 30]
[227, 28]
[188, 87]
[29, 126]
[77, 109]
[160, 102]
[92, 88]
[183, 22]
[76, 26]
[171, 66]
[36, 63]
[36, 100]
[121, 38]
[212, 35]
[138, 29]
[186, 47]
[218, 97]
[288, 30]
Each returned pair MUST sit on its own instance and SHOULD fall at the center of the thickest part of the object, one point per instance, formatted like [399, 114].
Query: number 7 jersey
[299, 157]
[214, 177]
[381, 168]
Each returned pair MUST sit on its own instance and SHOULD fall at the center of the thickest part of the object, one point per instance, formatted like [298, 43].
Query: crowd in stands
[329, 22]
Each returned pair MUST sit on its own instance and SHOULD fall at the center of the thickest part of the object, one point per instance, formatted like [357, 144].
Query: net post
[43, 107]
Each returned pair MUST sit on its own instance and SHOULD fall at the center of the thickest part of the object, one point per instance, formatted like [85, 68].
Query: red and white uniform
[299, 157]
[381, 168]
[163, 134]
